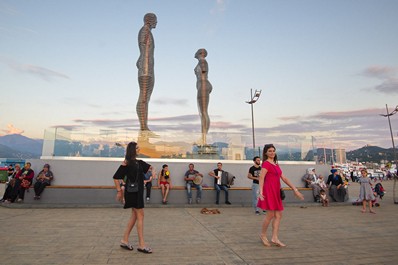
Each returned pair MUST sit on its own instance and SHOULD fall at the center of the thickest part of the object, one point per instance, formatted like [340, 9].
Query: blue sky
[326, 68]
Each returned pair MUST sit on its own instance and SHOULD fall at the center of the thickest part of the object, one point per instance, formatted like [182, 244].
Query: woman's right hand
[119, 196]
[261, 197]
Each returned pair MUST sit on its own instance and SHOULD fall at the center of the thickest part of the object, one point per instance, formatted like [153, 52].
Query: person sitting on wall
[193, 179]
[311, 181]
[23, 181]
[336, 187]
[164, 182]
[10, 185]
[43, 180]
[218, 185]
[148, 176]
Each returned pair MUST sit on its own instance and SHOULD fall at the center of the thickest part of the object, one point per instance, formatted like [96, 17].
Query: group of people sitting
[21, 179]
[193, 179]
[335, 186]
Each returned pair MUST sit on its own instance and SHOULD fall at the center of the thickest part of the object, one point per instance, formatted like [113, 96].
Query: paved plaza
[339, 234]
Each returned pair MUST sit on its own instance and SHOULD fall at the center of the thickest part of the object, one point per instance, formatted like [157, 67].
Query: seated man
[218, 185]
[193, 179]
[311, 180]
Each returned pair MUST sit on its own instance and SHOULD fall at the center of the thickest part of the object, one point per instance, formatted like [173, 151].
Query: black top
[255, 171]
[135, 170]
[335, 180]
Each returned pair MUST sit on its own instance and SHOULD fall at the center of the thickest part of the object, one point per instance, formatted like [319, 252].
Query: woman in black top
[336, 187]
[133, 170]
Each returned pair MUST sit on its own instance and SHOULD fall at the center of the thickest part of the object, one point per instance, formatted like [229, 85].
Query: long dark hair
[131, 152]
[265, 157]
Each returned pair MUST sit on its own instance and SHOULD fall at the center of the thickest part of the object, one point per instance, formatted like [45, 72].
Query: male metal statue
[145, 65]
[204, 89]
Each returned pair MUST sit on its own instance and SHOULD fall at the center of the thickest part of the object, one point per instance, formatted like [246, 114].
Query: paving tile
[340, 234]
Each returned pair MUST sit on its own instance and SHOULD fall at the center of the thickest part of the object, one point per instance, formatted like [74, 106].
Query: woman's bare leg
[167, 192]
[275, 228]
[130, 225]
[140, 227]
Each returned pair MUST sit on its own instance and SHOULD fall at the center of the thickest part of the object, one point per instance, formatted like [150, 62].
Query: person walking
[133, 169]
[270, 197]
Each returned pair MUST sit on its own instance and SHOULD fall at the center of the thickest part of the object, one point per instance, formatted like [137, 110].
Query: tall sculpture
[145, 65]
[204, 89]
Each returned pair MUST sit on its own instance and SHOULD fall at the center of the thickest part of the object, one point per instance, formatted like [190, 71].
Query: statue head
[151, 20]
[202, 52]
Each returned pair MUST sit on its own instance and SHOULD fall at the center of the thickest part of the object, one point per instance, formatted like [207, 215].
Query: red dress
[271, 188]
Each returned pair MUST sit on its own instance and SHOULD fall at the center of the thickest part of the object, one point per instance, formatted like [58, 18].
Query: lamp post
[393, 144]
[253, 99]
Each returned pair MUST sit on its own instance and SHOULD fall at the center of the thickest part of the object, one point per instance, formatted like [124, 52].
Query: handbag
[283, 195]
[25, 184]
[132, 187]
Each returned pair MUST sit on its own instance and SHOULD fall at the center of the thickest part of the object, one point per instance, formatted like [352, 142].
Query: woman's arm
[296, 191]
[261, 179]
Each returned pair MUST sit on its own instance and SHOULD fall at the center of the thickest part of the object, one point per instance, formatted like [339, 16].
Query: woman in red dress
[270, 198]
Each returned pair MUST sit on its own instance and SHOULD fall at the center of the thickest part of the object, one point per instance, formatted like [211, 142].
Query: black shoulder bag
[132, 187]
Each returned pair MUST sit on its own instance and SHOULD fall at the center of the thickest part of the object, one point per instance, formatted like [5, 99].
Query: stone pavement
[339, 234]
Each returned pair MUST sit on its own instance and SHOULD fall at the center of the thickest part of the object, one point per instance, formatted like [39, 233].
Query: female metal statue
[204, 89]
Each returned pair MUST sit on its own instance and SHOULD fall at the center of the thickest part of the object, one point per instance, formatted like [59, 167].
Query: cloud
[171, 101]
[344, 129]
[39, 71]
[388, 86]
[380, 72]
[387, 75]
[12, 130]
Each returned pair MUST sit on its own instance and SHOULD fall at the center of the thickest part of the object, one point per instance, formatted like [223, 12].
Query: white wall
[99, 171]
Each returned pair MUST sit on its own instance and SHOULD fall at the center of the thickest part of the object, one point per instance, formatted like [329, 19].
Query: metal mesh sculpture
[145, 65]
[204, 89]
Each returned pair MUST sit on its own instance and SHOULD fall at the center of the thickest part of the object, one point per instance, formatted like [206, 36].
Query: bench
[105, 195]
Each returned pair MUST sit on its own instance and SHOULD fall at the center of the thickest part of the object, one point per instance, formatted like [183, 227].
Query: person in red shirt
[23, 181]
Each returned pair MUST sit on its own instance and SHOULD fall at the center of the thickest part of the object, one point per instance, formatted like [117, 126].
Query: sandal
[145, 250]
[126, 246]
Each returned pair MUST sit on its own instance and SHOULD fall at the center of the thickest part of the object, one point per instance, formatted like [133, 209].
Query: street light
[253, 100]
[393, 144]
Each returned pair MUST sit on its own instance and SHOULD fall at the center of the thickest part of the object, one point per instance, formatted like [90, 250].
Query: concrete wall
[99, 171]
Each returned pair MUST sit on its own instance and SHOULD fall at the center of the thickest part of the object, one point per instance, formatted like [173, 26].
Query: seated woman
[164, 182]
[23, 180]
[337, 190]
[10, 184]
[43, 179]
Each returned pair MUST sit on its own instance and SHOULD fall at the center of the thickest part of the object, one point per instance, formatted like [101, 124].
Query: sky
[326, 69]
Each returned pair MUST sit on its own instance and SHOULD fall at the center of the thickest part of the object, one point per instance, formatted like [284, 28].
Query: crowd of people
[134, 176]
[20, 180]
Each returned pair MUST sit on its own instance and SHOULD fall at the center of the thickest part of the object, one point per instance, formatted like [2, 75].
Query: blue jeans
[255, 193]
[218, 189]
[198, 188]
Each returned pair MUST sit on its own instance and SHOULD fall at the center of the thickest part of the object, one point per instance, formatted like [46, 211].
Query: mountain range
[19, 146]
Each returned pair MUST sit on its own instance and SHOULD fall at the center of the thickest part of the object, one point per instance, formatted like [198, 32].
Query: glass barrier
[219, 146]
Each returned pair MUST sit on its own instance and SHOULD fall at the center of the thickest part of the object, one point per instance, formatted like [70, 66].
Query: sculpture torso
[145, 63]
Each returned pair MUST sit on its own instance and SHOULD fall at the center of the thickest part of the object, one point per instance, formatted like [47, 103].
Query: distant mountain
[17, 145]
[371, 154]
[6, 152]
